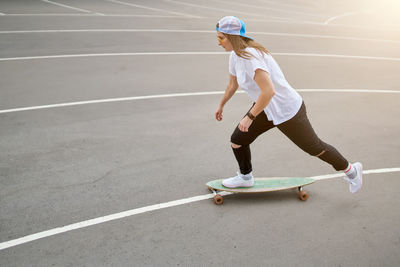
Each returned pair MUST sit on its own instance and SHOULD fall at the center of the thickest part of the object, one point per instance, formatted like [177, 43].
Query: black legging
[298, 129]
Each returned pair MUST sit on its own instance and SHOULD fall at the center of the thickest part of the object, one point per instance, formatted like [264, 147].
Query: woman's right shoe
[355, 183]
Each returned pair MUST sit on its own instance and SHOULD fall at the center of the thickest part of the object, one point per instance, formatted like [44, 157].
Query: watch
[250, 116]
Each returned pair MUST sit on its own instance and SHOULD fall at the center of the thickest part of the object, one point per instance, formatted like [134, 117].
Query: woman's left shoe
[239, 180]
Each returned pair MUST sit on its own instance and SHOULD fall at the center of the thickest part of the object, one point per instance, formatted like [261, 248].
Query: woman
[276, 103]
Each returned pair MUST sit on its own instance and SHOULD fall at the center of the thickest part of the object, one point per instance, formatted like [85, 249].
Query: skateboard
[262, 185]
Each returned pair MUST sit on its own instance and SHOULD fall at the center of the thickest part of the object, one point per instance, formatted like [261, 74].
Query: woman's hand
[218, 114]
[245, 124]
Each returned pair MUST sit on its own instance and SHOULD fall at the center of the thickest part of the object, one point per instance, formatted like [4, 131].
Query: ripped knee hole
[235, 145]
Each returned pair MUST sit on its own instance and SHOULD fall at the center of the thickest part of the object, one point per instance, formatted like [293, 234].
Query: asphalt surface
[65, 165]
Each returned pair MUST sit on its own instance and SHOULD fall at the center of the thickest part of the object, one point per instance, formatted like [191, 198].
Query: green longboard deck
[264, 184]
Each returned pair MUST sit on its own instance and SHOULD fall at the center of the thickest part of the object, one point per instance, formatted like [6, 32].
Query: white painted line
[99, 220]
[272, 19]
[336, 25]
[337, 56]
[116, 54]
[280, 20]
[203, 31]
[90, 15]
[109, 30]
[152, 8]
[213, 8]
[341, 16]
[257, 7]
[70, 7]
[194, 53]
[111, 100]
[134, 98]
[150, 16]
[49, 14]
[338, 175]
[281, 3]
[324, 36]
[2, 14]
[358, 91]
[128, 213]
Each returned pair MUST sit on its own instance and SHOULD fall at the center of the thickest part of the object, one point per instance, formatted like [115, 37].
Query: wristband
[251, 117]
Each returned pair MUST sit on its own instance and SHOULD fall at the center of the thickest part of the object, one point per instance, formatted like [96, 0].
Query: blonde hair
[240, 43]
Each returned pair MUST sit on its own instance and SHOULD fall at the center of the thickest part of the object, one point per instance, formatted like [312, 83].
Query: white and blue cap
[232, 25]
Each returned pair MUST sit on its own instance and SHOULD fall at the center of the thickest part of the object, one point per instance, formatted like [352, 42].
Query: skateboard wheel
[218, 199]
[303, 195]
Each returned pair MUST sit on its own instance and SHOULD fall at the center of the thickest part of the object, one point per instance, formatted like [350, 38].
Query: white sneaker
[238, 181]
[356, 183]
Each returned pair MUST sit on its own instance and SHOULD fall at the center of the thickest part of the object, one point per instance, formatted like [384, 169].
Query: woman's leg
[241, 141]
[299, 130]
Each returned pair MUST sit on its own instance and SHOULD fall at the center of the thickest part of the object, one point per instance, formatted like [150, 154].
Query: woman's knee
[317, 149]
[236, 140]
[235, 146]
[321, 150]
[239, 139]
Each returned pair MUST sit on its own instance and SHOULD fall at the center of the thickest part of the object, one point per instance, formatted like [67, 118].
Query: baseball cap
[232, 25]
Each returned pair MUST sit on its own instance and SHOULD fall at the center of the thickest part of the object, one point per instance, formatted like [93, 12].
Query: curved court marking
[193, 53]
[342, 16]
[284, 10]
[276, 19]
[182, 95]
[200, 31]
[128, 213]
[225, 11]
[70, 7]
[92, 15]
[390, 27]
[310, 5]
[152, 8]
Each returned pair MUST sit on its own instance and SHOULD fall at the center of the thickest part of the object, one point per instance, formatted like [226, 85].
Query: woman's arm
[267, 92]
[229, 92]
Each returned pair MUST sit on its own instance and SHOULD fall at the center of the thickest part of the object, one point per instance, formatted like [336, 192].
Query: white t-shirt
[285, 103]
